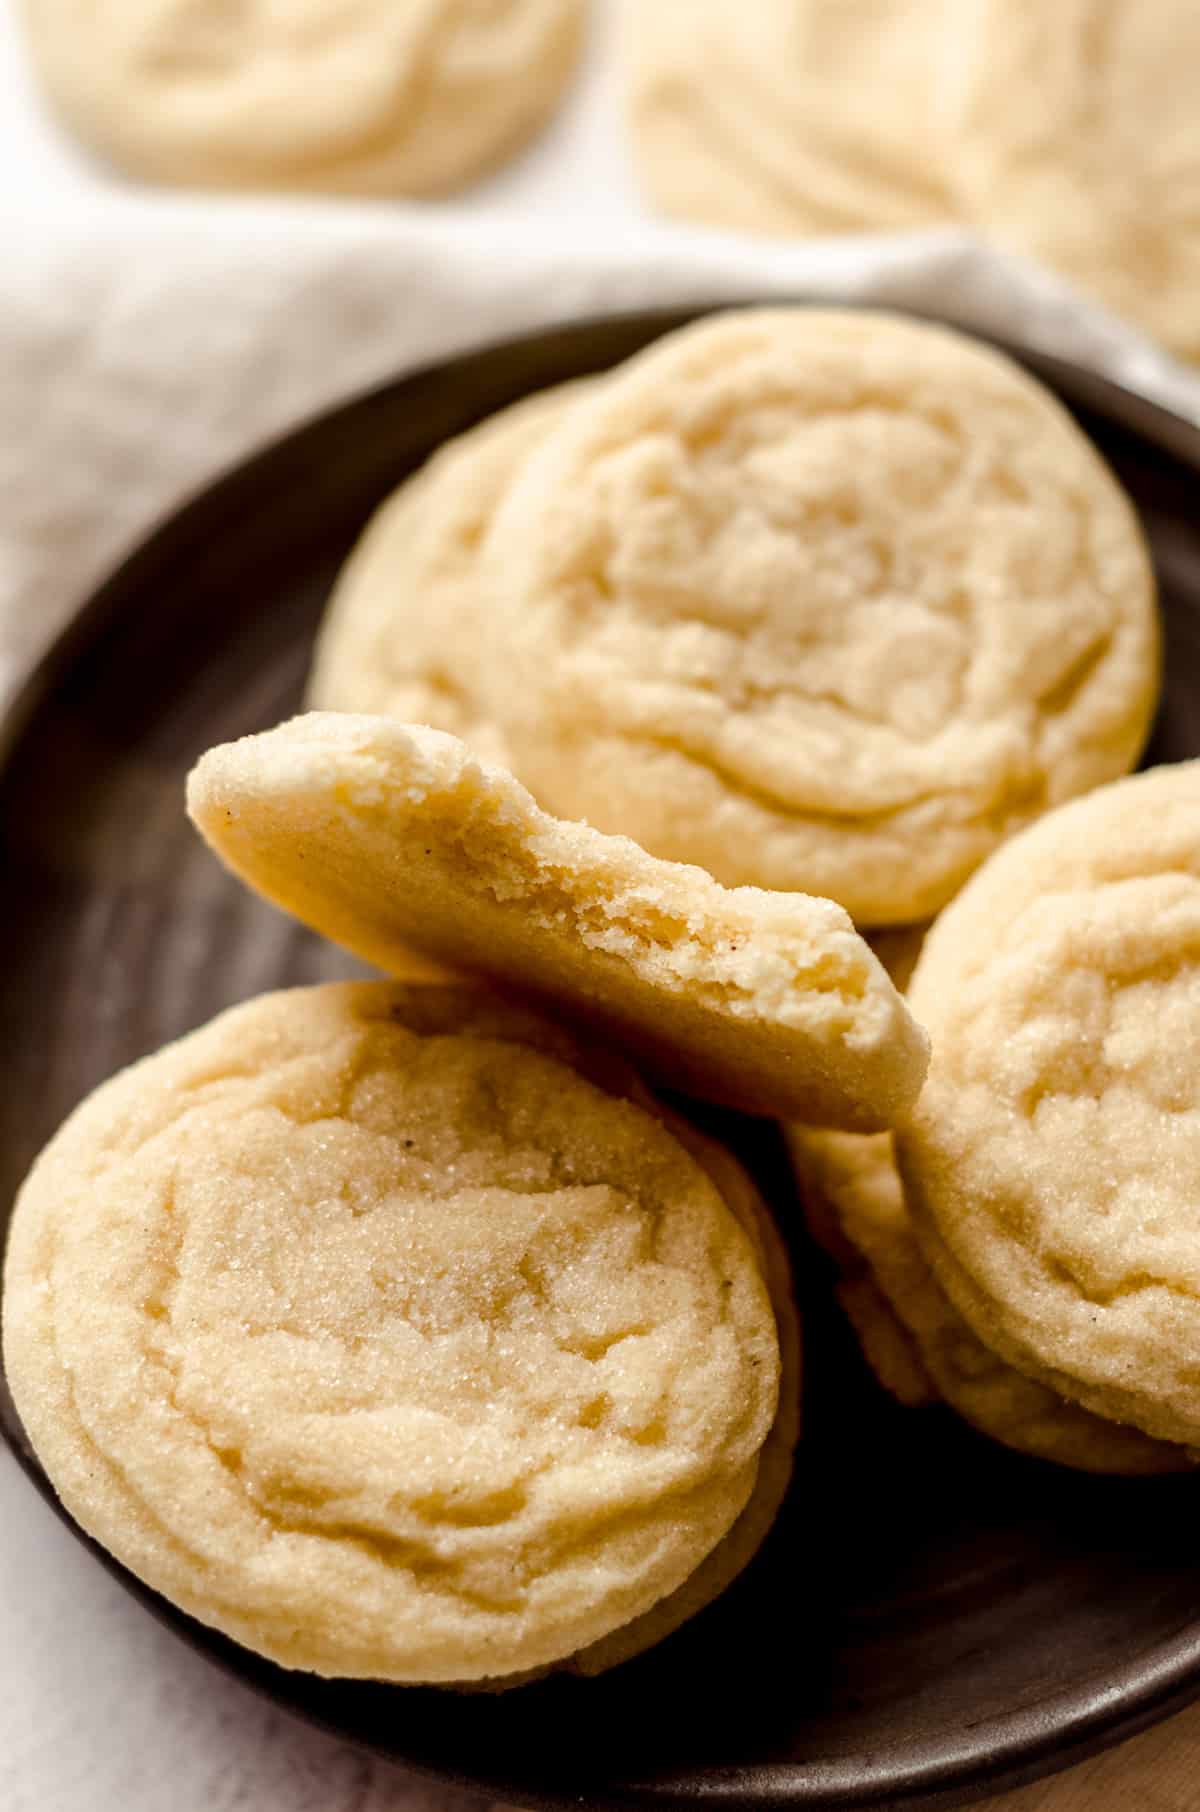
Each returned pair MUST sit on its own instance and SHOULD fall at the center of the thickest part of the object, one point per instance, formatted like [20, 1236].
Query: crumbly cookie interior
[384, 835]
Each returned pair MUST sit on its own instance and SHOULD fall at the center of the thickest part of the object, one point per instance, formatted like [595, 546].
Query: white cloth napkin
[140, 351]
[141, 355]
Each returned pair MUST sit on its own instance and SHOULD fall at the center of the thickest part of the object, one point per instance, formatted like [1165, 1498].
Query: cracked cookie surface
[820, 600]
[388, 837]
[383, 1340]
[402, 633]
[1053, 1161]
[363, 97]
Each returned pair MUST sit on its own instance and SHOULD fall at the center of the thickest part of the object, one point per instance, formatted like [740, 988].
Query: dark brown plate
[932, 1618]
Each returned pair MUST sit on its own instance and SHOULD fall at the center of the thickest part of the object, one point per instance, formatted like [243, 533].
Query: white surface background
[100, 1709]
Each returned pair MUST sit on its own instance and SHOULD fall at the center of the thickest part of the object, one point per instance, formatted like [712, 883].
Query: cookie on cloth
[820, 600]
[415, 99]
[790, 117]
[388, 837]
[1076, 140]
[380, 1328]
[1052, 1164]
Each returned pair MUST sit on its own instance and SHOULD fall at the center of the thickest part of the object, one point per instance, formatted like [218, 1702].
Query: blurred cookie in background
[1068, 133]
[1076, 140]
[415, 99]
[789, 116]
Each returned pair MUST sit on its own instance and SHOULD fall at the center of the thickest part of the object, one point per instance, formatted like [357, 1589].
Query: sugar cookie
[401, 636]
[378, 1337]
[412, 99]
[385, 837]
[733, 1554]
[1053, 1162]
[911, 1332]
[789, 116]
[822, 601]
[913, 1338]
[1075, 137]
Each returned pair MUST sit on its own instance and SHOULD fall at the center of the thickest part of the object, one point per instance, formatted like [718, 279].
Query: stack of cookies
[399, 1329]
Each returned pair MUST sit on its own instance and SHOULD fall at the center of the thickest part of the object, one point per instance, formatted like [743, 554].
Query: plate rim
[990, 1755]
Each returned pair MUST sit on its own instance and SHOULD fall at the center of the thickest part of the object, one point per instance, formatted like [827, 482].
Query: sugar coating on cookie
[913, 1338]
[402, 634]
[385, 837]
[892, 1297]
[789, 116]
[1097, 169]
[821, 600]
[412, 99]
[1053, 1161]
[384, 1342]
